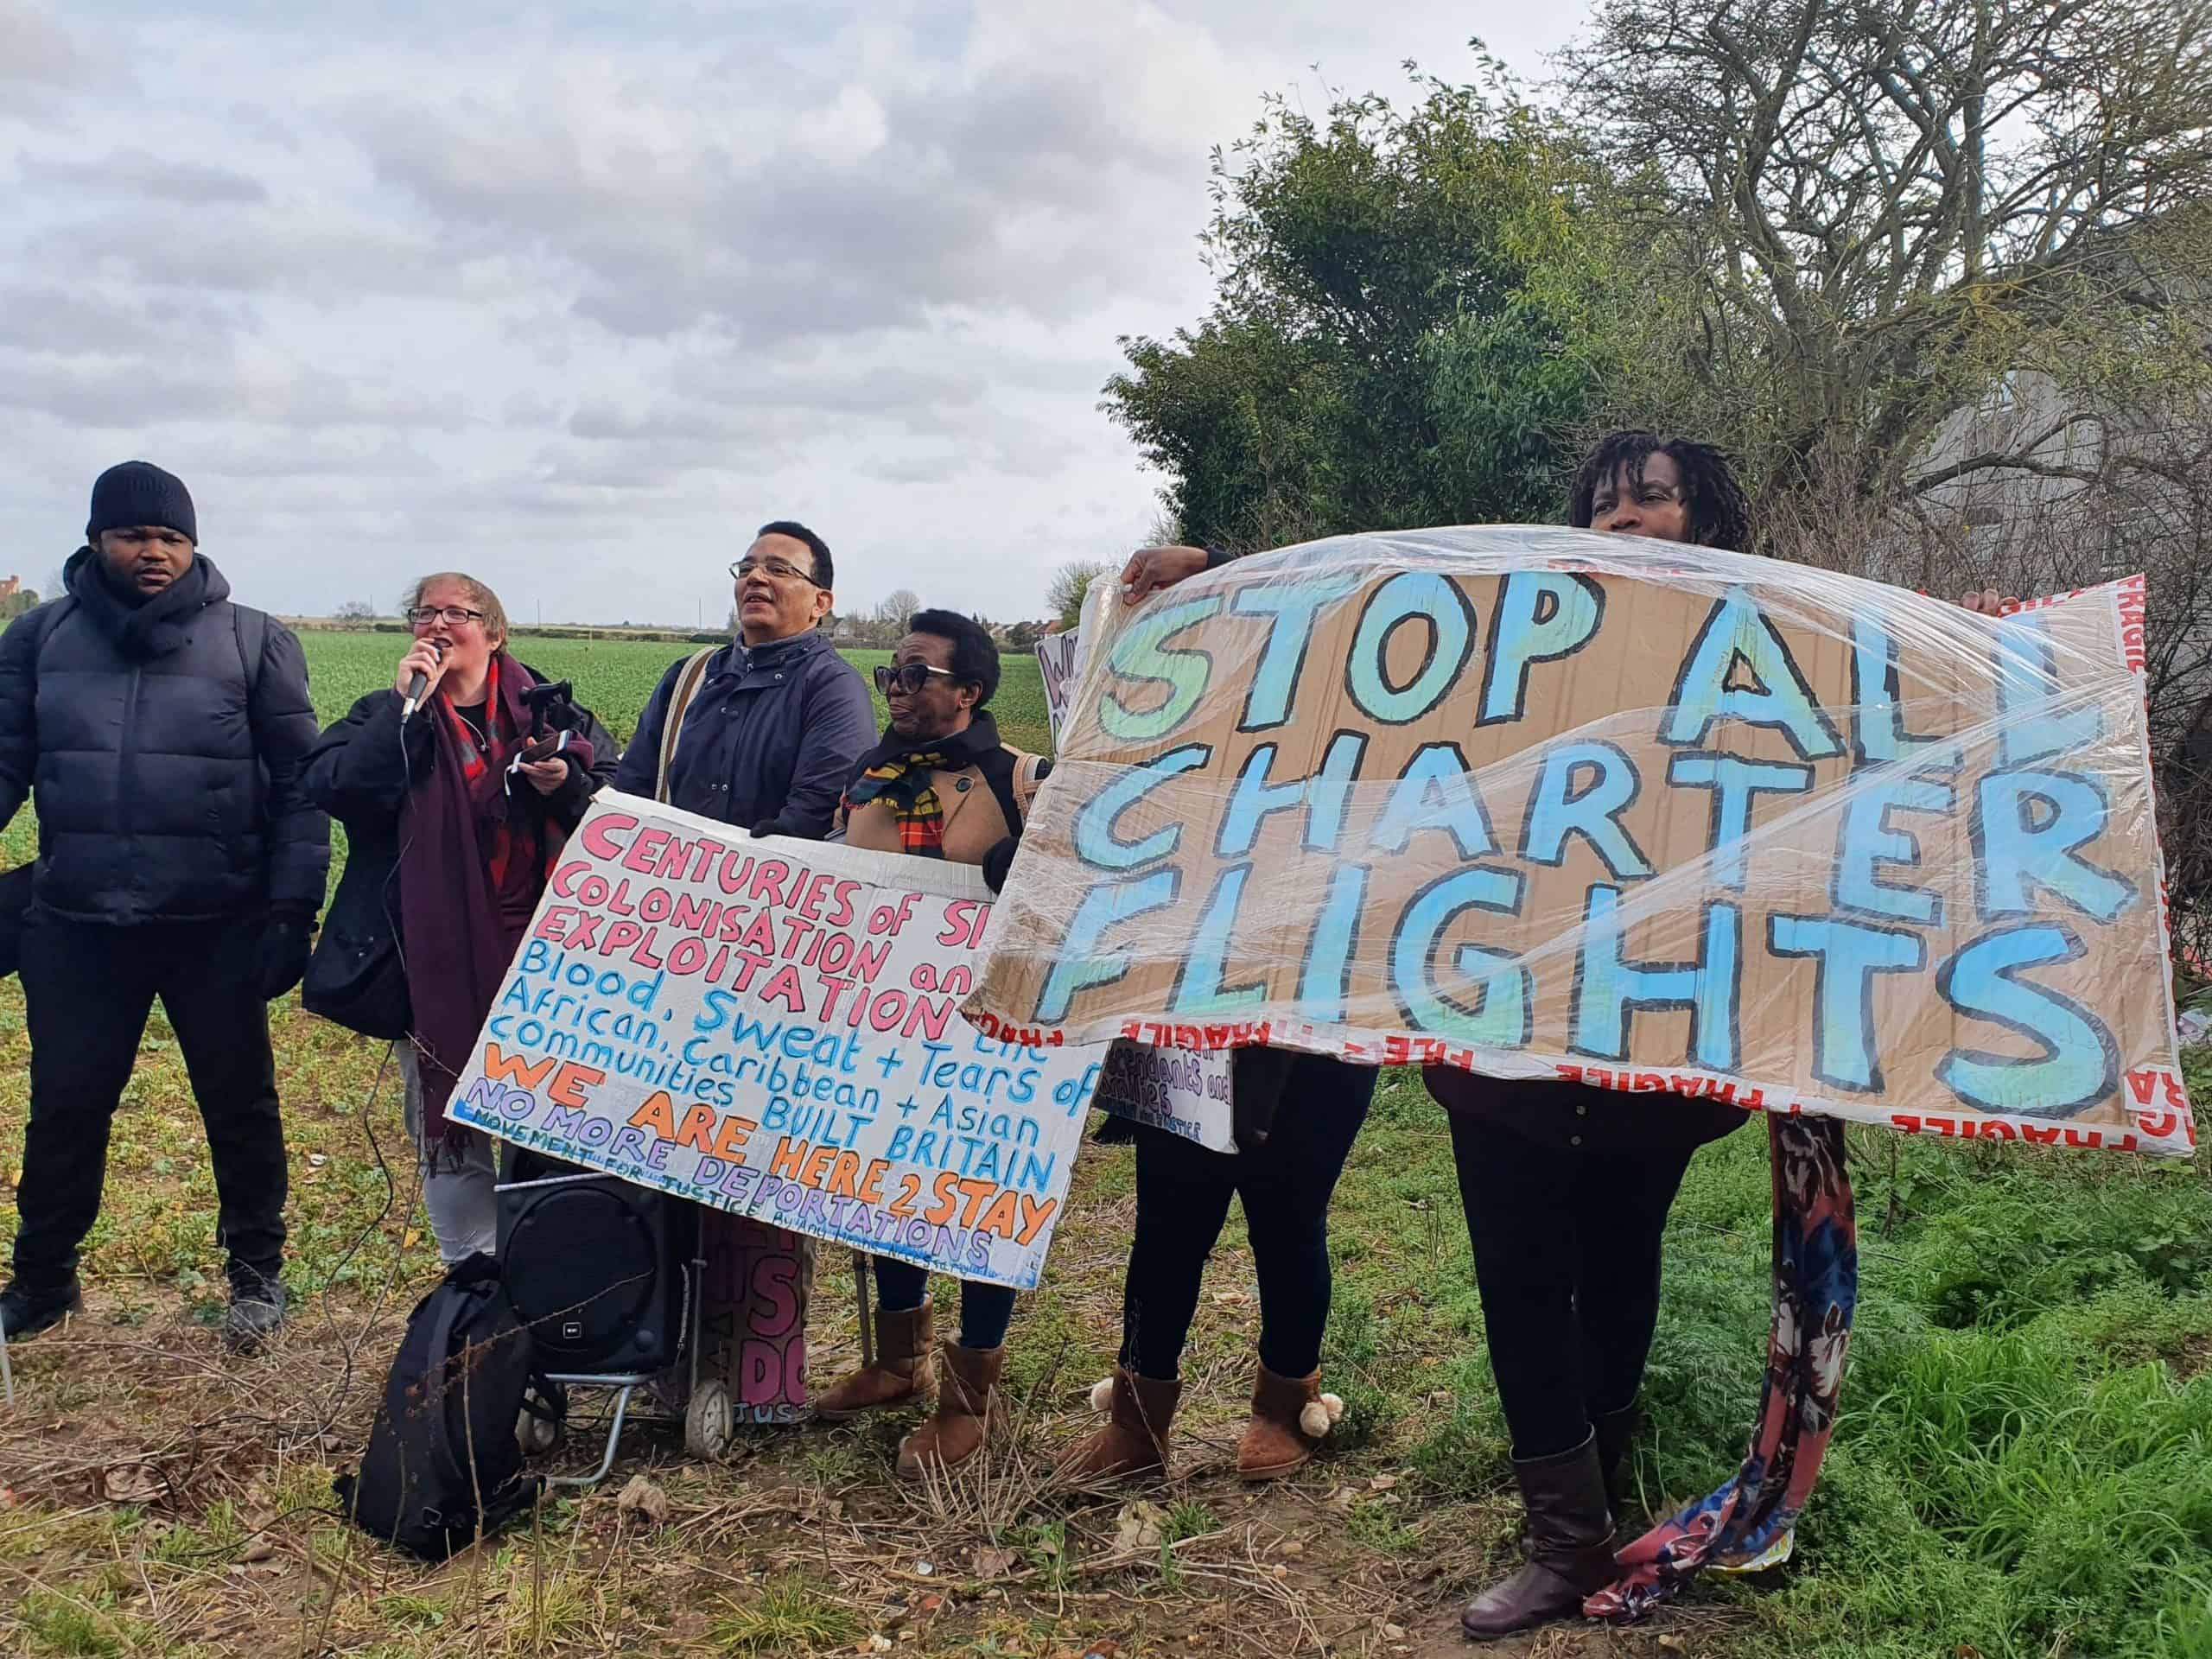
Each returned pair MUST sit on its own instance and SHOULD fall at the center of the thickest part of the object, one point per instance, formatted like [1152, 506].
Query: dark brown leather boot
[901, 1372]
[955, 1432]
[1279, 1439]
[1570, 1546]
[1615, 1429]
[1135, 1439]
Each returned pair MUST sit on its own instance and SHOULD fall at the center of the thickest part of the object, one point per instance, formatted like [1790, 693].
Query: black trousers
[1183, 1194]
[1567, 1257]
[87, 993]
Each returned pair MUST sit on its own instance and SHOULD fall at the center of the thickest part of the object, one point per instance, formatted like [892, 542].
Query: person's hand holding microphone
[420, 669]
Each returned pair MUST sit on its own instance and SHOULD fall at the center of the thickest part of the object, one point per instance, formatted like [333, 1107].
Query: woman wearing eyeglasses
[940, 784]
[453, 817]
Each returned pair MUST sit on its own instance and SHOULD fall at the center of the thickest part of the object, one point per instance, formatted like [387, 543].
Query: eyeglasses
[779, 570]
[909, 677]
[422, 615]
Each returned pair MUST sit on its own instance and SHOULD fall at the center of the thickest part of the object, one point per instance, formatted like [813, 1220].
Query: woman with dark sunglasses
[940, 784]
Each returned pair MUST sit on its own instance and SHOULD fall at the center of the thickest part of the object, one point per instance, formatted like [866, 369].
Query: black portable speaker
[594, 1266]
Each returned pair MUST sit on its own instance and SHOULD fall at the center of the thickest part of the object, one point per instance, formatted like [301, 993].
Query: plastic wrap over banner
[1545, 802]
[768, 1028]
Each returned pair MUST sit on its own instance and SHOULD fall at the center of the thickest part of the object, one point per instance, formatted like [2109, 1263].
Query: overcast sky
[576, 303]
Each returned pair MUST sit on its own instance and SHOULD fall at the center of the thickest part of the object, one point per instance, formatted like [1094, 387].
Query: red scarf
[474, 859]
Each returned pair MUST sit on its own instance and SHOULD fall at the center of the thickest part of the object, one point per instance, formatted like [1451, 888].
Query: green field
[2023, 1469]
[613, 677]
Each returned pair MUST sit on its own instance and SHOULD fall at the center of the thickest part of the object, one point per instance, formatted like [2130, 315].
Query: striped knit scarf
[903, 776]
[904, 783]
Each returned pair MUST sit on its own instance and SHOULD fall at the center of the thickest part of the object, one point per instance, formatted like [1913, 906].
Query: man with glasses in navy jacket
[771, 734]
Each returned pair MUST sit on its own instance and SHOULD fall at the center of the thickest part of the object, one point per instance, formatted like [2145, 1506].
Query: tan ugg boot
[955, 1432]
[901, 1372]
[1290, 1417]
[1135, 1440]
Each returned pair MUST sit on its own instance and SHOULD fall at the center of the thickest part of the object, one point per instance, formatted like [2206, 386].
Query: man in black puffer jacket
[161, 730]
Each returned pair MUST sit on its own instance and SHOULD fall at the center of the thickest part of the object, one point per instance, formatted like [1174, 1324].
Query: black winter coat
[356, 773]
[165, 769]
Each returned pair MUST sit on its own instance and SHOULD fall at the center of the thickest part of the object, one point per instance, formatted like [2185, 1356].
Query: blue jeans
[985, 1309]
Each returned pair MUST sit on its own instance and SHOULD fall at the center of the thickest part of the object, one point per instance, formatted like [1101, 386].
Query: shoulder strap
[687, 681]
[250, 655]
[1026, 780]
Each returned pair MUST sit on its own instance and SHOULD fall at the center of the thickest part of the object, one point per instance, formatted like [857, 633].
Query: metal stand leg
[613, 1436]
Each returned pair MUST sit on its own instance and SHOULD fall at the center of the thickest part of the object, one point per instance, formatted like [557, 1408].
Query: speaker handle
[555, 1181]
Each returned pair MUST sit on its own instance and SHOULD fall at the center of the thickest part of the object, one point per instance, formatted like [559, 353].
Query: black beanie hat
[139, 492]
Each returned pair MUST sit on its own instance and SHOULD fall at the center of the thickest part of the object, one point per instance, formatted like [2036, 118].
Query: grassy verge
[2025, 1467]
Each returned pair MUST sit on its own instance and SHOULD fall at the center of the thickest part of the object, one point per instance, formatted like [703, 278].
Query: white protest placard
[1183, 1091]
[771, 1028]
[1059, 659]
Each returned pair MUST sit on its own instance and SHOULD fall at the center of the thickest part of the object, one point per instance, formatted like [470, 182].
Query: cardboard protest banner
[769, 1027]
[1185, 1094]
[1058, 656]
[1543, 803]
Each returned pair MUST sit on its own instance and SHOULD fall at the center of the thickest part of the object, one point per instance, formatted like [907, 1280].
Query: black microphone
[417, 687]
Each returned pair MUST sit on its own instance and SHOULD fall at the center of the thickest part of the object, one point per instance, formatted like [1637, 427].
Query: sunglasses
[909, 677]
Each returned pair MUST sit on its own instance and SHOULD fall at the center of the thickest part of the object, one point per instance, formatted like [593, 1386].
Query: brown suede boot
[901, 1372]
[1570, 1546]
[966, 1389]
[1135, 1439]
[1286, 1411]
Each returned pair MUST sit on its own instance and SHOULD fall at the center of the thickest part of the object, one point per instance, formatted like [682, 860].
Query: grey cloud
[1029, 190]
[133, 172]
[33, 50]
[116, 392]
[84, 320]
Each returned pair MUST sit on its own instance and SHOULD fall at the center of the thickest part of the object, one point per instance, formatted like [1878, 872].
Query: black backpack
[442, 1466]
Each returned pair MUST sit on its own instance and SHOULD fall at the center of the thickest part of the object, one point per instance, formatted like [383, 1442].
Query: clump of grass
[57, 1622]
[786, 1615]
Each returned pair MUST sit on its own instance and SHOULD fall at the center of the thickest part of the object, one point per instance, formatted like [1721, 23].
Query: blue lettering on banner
[1084, 962]
[2075, 1061]
[1847, 955]
[1199, 988]
[1878, 730]
[2038, 722]
[1737, 634]
[1503, 1008]
[1433, 602]
[1435, 792]
[1292, 608]
[1734, 781]
[2028, 830]
[1559, 804]
[1608, 988]
[1141, 652]
[1542, 617]
[1870, 839]
[1097, 841]
[1327, 984]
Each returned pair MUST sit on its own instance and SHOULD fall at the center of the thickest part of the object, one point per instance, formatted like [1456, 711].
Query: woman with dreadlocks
[1566, 1186]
